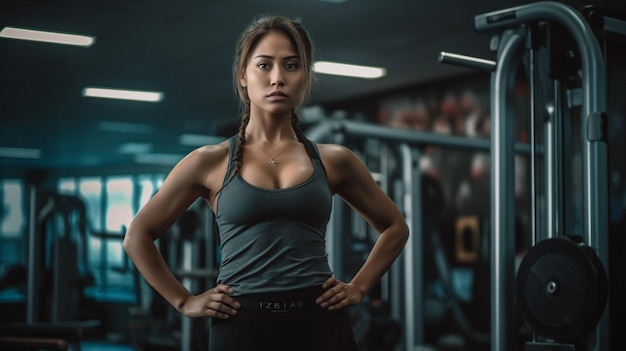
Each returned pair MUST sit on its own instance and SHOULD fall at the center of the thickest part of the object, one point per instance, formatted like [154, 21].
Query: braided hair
[246, 43]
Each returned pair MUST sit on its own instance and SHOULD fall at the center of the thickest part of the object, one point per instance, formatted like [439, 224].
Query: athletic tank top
[273, 240]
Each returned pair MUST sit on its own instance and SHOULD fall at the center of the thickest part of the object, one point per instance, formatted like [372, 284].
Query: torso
[272, 222]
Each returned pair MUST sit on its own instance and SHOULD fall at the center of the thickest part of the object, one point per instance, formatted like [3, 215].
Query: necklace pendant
[272, 162]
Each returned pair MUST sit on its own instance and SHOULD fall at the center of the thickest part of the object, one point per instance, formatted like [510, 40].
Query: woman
[270, 189]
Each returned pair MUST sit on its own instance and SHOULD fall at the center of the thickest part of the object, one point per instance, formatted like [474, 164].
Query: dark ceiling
[184, 49]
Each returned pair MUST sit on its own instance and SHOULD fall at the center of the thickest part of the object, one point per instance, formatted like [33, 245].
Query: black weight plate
[566, 303]
[561, 288]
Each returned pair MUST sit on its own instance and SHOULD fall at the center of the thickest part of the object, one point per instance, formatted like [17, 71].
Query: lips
[277, 93]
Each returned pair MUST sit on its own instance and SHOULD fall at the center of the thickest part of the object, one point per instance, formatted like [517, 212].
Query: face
[274, 76]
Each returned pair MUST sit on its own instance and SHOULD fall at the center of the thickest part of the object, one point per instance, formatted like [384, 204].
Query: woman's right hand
[215, 302]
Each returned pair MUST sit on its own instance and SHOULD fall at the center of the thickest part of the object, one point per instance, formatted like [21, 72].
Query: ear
[243, 81]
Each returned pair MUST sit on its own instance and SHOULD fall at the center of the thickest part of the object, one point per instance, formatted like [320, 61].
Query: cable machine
[561, 287]
[56, 254]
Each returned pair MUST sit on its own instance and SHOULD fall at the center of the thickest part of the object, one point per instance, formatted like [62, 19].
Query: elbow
[400, 234]
[405, 233]
[130, 238]
[136, 237]
[126, 243]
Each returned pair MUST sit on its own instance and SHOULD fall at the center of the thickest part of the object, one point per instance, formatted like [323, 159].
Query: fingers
[221, 293]
[338, 295]
[215, 302]
[222, 288]
[222, 310]
[332, 281]
[221, 304]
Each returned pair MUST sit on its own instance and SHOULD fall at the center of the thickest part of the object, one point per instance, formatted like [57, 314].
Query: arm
[185, 183]
[349, 178]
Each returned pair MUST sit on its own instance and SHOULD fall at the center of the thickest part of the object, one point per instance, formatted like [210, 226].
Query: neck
[269, 137]
[270, 130]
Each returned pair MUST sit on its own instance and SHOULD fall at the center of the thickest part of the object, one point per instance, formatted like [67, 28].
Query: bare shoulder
[204, 158]
[334, 154]
[203, 165]
[342, 166]
[210, 154]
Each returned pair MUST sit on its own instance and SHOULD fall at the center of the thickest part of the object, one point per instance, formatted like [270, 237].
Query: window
[12, 208]
[12, 222]
[111, 203]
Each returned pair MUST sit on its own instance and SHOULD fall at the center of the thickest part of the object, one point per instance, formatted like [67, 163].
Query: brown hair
[246, 43]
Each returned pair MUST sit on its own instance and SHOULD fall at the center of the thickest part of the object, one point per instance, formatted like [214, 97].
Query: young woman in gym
[270, 189]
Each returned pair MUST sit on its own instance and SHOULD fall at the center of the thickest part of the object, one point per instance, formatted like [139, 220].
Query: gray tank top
[273, 240]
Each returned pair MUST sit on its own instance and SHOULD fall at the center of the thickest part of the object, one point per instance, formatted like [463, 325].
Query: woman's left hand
[339, 294]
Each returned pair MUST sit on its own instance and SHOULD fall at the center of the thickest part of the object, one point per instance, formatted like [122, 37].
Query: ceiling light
[343, 69]
[137, 95]
[199, 139]
[48, 37]
[18, 152]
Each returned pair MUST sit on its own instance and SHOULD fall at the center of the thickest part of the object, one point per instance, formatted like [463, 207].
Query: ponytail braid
[241, 141]
[295, 124]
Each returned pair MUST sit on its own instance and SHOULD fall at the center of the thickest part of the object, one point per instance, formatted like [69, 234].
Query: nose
[277, 78]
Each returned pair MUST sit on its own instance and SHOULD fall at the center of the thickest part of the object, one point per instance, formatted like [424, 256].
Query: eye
[291, 66]
[262, 65]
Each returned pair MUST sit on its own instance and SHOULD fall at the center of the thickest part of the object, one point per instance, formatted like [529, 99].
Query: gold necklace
[272, 161]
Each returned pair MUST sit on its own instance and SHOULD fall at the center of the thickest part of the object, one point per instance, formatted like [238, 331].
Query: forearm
[385, 251]
[146, 257]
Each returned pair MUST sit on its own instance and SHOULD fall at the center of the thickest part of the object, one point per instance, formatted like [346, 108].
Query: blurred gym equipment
[55, 276]
[562, 51]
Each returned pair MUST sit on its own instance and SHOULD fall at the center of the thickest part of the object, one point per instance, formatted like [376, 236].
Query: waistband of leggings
[282, 301]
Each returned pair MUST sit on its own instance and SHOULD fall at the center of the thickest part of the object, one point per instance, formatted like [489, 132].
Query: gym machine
[561, 286]
[56, 254]
[406, 276]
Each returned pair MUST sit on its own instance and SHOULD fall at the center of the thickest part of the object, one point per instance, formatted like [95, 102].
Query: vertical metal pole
[554, 168]
[186, 322]
[32, 300]
[104, 277]
[502, 189]
[413, 252]
[397, 298]
[595, 163]
[136, 199]
[386, 281]
[532, 74]
[334, 239]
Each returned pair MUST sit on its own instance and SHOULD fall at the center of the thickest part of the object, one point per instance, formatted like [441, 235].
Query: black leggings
[290, 321]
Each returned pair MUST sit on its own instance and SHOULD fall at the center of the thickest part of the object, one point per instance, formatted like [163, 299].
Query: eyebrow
[271, 57]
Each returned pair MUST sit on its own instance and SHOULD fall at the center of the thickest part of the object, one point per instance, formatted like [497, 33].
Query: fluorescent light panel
[123, 127]
[158, 159]
[48, 37]
[198, 139]
[123, 94]
[18, 152]
[135, 148]
[347, 70]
